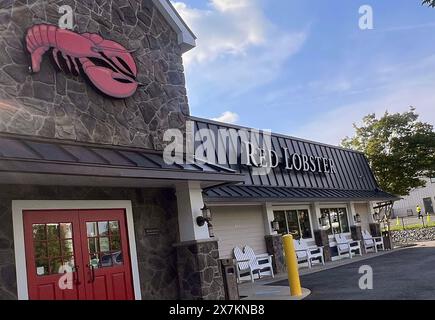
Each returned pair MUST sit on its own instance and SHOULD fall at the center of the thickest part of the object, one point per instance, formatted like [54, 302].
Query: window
[104, 244]
[337, 219]
[54, 250]
[428, 206]
[294, 222]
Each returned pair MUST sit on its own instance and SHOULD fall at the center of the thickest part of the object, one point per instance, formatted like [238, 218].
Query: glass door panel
[304, 222]
[293, 224]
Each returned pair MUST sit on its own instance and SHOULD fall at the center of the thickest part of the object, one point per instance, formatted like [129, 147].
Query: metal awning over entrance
[27, 160]
[285, 194]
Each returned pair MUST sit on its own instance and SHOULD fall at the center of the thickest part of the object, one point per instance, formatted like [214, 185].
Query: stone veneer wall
[275, 248]
[199, 271]
[52, 104]
[356, 234]
[152, 208]
[415, 235]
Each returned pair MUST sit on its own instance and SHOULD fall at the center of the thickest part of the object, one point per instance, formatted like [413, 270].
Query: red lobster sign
[108, 65]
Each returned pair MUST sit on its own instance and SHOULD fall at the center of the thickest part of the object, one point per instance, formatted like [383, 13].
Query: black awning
[26, 157]
[283, 194]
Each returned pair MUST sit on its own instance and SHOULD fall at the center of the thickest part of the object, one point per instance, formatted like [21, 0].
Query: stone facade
[53, 104]
[199, 272]
[375, 229]
[415, 235]
[322, 240]
[356, 234]
[275, 247]
[8, 285]
[152, 208]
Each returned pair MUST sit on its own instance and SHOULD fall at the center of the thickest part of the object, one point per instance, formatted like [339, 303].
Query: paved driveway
[403, 274]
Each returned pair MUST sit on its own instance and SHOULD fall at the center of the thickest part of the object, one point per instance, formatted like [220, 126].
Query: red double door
[77, 255]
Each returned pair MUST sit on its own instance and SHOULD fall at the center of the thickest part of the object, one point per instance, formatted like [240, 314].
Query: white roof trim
[186, 38]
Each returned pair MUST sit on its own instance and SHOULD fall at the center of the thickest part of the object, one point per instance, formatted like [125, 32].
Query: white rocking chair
[251, 265]
[305, 253]
[372, 242]
[346, 246]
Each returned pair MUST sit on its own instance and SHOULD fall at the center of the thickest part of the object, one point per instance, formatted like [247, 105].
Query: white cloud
[409, 27]
[388, 86]
[331, 127]
[227, 5]
[228, 27]
[238, 48]
[227, 117]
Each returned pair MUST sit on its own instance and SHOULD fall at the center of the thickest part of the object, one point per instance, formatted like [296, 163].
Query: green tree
[430, 3]
[399, 147]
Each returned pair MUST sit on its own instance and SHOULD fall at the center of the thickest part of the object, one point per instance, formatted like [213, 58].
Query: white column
[315, 215]
[364, 210]
[268, 217]
[371, 211]
[190, 203]
[352, 213]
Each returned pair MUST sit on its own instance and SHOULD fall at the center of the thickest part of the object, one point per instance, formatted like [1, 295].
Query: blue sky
[304, 67]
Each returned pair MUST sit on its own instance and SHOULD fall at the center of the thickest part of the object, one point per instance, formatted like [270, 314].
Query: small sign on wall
[152, 232]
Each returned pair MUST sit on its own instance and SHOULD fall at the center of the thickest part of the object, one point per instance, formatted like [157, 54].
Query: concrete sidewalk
[264, 289]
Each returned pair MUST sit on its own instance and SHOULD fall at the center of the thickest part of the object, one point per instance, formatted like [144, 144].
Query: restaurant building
[312, 190]
[85, 188]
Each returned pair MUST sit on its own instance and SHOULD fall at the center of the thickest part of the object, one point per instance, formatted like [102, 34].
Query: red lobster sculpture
[107, 64]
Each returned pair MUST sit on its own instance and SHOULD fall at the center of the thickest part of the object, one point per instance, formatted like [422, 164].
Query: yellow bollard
[397, 222]
[428, 218]
[292, 265]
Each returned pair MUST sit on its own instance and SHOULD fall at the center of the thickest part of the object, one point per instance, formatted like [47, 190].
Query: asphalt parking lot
[406, 274]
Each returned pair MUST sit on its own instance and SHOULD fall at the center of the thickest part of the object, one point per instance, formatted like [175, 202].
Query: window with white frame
[294, 222]
[336, 219]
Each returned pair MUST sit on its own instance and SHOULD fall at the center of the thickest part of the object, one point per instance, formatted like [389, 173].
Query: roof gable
[186, 38]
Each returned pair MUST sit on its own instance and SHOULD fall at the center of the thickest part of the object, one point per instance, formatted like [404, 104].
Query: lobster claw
[112, 83]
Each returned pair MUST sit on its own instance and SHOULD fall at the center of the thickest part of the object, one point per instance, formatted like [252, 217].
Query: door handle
[76, 272]
[92, 272]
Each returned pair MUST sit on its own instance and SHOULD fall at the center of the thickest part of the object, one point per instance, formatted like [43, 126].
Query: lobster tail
[39, 39]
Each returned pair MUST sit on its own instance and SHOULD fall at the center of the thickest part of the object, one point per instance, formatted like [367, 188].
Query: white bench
[309, 254]
[347, 246]
[372, 243]
[252, 266]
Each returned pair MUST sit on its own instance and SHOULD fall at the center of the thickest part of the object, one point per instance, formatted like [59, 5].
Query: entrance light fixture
[275, 225]
[376, 216]
[357, 218]
[206, 217]
[324, 222]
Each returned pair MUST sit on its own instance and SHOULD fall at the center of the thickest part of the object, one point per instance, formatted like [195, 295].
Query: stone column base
[274, 247]
[322, 240]
[199, 272]
[356, 234]
[375, 230]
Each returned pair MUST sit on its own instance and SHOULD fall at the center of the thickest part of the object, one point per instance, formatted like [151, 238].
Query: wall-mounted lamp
[357, 218]
[376, 216]
[206, 217]
[275, 225]
[324, 222]
[335, 225]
